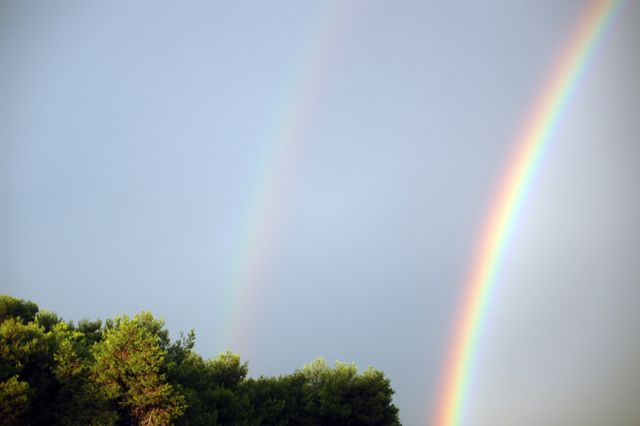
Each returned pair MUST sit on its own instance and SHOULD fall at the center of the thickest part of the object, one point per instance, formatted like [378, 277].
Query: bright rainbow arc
[505, 209]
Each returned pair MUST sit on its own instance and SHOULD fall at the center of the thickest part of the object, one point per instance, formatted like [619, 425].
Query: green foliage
[130, 365]
[47, 319]
[227, 371]
[24, 348]
[90, 331]
[26, 351]
[44, 368]
[212, 389]
[14, 401]
[80, 399]
[11, 307]
[339, 396]
[128, 371]
[277, 401]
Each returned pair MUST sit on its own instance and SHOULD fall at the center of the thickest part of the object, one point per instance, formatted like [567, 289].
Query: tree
[14, 401]
[372, 399]
[26, 353]
[10, 307]
[339, 396]
[276, 400]
[129, 372]
[47, 320]
[79, 399]
[130, 365]
[213, 389]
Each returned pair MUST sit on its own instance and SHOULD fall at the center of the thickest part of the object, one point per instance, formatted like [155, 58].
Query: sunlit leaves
[127, 371]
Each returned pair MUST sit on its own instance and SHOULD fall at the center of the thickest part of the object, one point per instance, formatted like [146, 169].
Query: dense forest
[128, 371]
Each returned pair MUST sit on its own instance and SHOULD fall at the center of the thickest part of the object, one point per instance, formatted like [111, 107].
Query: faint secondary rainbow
[293, 119]
[507, 204]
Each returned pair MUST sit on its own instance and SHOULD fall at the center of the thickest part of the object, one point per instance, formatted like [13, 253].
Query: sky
[302, 179]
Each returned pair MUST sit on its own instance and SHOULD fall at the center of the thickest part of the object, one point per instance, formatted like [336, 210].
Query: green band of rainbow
[537, 134]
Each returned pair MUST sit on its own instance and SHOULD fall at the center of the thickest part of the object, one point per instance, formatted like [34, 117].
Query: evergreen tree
[131, 366]
[128, 371]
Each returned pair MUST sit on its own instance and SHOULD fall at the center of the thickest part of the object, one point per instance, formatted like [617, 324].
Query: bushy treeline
[127, 371]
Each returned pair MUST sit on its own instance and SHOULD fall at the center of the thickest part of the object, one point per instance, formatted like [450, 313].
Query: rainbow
[495, 235]
[249, 269]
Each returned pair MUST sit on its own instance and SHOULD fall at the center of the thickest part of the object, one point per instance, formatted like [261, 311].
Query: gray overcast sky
[133, 137]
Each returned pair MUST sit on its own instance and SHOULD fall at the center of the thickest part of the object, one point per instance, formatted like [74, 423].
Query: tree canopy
[128, 371]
